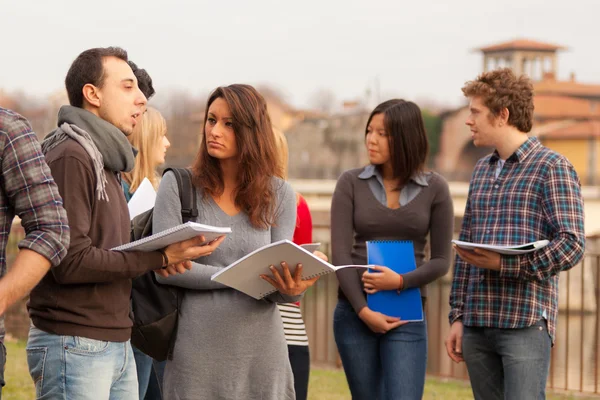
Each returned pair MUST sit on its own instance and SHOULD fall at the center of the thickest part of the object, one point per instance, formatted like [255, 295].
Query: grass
[325, 384]
[19, 385]
[331, 385]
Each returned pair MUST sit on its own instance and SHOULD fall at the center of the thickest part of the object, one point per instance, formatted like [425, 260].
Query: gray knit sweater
[229, 345]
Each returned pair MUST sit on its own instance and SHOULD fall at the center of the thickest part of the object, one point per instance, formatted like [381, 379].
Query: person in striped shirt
[291, 315]
[504, 307]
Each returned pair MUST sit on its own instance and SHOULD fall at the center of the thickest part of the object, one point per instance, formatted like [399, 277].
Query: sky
[412, 49]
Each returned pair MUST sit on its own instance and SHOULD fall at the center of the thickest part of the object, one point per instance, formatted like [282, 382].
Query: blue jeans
[388, 366]
[149, 373]
[74, 367]
[508, 363]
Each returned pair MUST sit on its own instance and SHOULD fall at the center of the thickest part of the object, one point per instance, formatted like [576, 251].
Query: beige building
[566, 118]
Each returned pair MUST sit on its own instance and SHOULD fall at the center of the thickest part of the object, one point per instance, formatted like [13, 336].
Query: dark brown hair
[500, 89]
[257, 155]
[88, 68]
[144, 80]
[408, 142]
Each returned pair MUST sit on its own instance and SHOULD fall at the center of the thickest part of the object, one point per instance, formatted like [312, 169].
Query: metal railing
[575, 362]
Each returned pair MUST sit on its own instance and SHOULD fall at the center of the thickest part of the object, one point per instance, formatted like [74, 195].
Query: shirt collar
[521, 153]
[371, 171]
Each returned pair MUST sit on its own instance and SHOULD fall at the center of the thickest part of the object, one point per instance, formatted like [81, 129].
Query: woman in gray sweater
[393, 198]
[229, 345]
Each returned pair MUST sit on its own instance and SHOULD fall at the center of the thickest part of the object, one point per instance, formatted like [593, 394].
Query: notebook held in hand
[399, 256]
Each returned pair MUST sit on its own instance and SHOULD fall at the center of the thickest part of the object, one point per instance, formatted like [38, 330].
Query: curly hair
[500, 89]
[257, 155]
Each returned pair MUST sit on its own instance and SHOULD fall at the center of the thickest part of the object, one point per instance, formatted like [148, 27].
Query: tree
[433, 127]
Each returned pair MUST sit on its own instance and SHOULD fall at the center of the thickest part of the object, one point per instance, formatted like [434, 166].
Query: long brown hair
[257, 155]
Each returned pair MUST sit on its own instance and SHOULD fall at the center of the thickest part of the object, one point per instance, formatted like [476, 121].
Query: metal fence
[575, 363]
[575, 356]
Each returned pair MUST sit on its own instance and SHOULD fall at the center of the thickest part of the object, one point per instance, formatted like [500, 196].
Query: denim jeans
[74, 367]
[388, 366]
[508, 363]
[149, 374]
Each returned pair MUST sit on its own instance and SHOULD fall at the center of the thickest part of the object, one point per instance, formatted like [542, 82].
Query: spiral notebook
[176, 234]
[399, 256]
[244, 274]
[508, 250]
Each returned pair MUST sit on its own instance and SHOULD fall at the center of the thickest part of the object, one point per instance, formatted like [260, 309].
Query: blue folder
[399, 256]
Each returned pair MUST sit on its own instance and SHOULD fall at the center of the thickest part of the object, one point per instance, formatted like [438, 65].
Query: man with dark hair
[27, 190]
[504, 307]
[149, 372]
[78, 346]
[144, 80]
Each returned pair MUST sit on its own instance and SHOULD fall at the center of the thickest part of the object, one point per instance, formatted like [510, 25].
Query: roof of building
[549, 106]
[569, 130]
[566, 88]
[521, 44]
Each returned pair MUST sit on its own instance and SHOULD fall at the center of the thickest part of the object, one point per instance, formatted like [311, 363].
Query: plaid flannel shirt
[27, 189]
[536, 196]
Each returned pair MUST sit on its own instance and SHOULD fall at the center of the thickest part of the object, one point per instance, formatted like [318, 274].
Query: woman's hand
[287, 284]
[322, 256]
[385, 279]
[378, 322]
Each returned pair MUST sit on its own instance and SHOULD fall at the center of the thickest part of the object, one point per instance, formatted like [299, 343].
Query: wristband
[165, 258]
[401, 285]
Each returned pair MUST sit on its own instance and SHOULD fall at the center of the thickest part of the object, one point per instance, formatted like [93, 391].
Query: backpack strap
[189, 212]
[187, 193]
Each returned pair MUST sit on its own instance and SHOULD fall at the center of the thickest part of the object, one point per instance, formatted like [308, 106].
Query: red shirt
[303, 231]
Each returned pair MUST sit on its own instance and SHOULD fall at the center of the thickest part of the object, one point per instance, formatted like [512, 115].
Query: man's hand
[378, 322]
[191, 249]
[291, 286]
[454, 342]
[480, 258]
[384, 279]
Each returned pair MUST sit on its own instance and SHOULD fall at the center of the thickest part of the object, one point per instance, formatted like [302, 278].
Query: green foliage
[433, 127]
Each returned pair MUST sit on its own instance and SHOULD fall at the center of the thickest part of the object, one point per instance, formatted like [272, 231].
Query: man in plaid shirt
[27, 190]
[504, 307]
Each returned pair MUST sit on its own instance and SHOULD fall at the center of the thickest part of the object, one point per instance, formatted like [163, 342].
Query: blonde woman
[150, 139]
[293, 323]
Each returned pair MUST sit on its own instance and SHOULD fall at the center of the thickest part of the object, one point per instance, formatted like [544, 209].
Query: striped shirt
[535, 196]
[27, 189]
[293, 324]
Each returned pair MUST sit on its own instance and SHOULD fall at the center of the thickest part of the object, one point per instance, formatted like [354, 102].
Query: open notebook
[244, 274]
[508, 250]
[176, 234]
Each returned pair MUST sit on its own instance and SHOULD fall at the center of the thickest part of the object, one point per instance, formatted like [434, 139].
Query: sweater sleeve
[85, 263]
[441, 227]
[167, 214]
[284, 229]
[342, 240]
